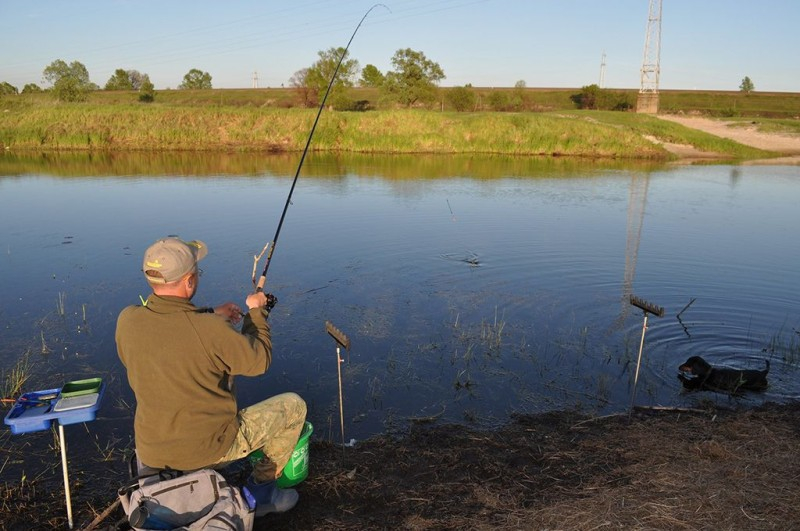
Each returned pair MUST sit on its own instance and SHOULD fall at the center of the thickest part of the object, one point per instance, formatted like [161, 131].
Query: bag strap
[136, 481]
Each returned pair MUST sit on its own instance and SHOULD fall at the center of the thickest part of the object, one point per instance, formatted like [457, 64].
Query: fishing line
[470, 257]
[263, 279]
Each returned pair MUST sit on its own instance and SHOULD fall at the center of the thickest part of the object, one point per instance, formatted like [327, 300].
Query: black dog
[697, 373]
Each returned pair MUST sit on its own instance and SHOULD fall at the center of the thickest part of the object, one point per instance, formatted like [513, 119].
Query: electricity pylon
[647, 101]
[603, 71]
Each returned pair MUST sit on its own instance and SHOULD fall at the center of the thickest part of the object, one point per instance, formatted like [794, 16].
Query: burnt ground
[659, 469]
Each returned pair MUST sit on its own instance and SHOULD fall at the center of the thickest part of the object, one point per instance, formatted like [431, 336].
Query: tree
[318, 76]
[747, 85]
[371, 77]
[7, 88]
[414, 79]
[136, 78]
[119, 81]
[462, 98]
[70, 82]
[31, 88]
[147, 91]
[298, 82]
[594, 97]
[499, 100]
[520, 84]
[589, 97]
[196, 79]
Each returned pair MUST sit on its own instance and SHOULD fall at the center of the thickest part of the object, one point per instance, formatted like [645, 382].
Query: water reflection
[637, 200]
[394, 167]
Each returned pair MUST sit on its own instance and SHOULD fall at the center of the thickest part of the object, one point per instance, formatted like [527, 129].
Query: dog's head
[695, 366]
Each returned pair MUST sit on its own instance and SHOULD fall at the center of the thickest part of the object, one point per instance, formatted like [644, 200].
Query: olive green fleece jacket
[179, 362]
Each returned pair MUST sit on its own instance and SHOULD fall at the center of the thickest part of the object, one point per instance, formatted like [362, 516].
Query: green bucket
[296, 470]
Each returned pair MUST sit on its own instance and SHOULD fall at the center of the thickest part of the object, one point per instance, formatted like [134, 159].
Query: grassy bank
[726, 104]
[138, 127]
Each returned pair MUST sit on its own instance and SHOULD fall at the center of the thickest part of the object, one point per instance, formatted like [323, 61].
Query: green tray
[81, 387]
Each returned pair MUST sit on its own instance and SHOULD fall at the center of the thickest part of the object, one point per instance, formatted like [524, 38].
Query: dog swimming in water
[697, 374]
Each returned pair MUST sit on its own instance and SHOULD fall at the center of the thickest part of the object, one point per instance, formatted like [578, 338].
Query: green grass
[271, 120]
[732, 103]
[791, 127]
[785, 105]
[596, 134]
[155, 128]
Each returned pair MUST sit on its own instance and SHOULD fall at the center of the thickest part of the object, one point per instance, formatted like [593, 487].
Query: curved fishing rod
[263, 279]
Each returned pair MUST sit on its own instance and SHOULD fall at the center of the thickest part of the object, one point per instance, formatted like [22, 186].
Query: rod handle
[658, 311]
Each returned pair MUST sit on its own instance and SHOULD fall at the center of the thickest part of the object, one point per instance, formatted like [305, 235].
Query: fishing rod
[260, 285]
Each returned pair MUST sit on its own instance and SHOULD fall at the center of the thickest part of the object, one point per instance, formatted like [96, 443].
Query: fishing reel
[271, 302]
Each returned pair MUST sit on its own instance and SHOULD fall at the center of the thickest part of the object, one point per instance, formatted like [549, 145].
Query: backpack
[200, 500]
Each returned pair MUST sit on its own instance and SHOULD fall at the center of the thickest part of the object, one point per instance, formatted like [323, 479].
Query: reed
[45, 348]
[119, 128]
[61, 303]
[14, 378]
[786, 345]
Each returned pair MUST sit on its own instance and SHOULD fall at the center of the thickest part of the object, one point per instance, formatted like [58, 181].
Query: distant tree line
[413, 81]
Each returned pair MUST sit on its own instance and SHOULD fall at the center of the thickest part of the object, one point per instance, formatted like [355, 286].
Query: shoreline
[709, 468]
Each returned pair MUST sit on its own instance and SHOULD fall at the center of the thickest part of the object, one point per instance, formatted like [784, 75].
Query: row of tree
[413, 80]
[70, 82]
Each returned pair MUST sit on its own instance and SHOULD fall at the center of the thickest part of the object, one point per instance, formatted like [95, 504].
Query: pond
[471, 288]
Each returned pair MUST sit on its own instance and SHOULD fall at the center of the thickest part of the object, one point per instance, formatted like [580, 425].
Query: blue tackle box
[75, 402]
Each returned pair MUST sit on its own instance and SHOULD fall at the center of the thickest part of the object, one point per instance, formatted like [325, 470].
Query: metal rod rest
[648, 308]
[337, 335]
[658, 311]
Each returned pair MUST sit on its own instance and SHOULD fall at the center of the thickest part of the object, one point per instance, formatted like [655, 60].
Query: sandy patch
[786, 144]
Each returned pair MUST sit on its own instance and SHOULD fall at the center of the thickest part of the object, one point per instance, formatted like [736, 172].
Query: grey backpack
[192, 501]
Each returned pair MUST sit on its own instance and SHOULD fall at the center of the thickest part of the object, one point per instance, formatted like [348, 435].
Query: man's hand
[259, 299]
[256, 300]
[229, 311]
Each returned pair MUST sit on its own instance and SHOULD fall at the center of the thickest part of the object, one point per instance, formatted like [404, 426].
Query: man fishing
[180, 361]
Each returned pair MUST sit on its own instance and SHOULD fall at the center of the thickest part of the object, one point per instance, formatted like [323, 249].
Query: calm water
[471, 288]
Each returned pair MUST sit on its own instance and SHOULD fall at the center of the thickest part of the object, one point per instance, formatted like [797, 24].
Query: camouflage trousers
[272, 426]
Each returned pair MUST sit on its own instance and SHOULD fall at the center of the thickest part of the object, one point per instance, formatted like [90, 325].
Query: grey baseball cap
[172, 258]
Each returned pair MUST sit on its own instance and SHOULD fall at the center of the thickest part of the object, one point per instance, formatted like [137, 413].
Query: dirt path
[747, 135]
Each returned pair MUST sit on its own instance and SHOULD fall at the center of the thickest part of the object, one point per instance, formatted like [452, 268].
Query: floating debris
[471, 258]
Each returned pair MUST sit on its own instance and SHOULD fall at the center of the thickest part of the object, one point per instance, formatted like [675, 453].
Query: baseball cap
[172, 258]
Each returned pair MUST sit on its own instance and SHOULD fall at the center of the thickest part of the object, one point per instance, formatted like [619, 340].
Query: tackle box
[75, 402]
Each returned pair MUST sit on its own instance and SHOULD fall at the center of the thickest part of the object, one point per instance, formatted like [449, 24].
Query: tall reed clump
[14, 379]
[786, 347]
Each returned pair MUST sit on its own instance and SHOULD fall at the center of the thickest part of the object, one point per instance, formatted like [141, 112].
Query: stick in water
[342, 341]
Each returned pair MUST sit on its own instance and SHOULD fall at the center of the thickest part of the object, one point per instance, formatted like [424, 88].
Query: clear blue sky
[705, 44]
